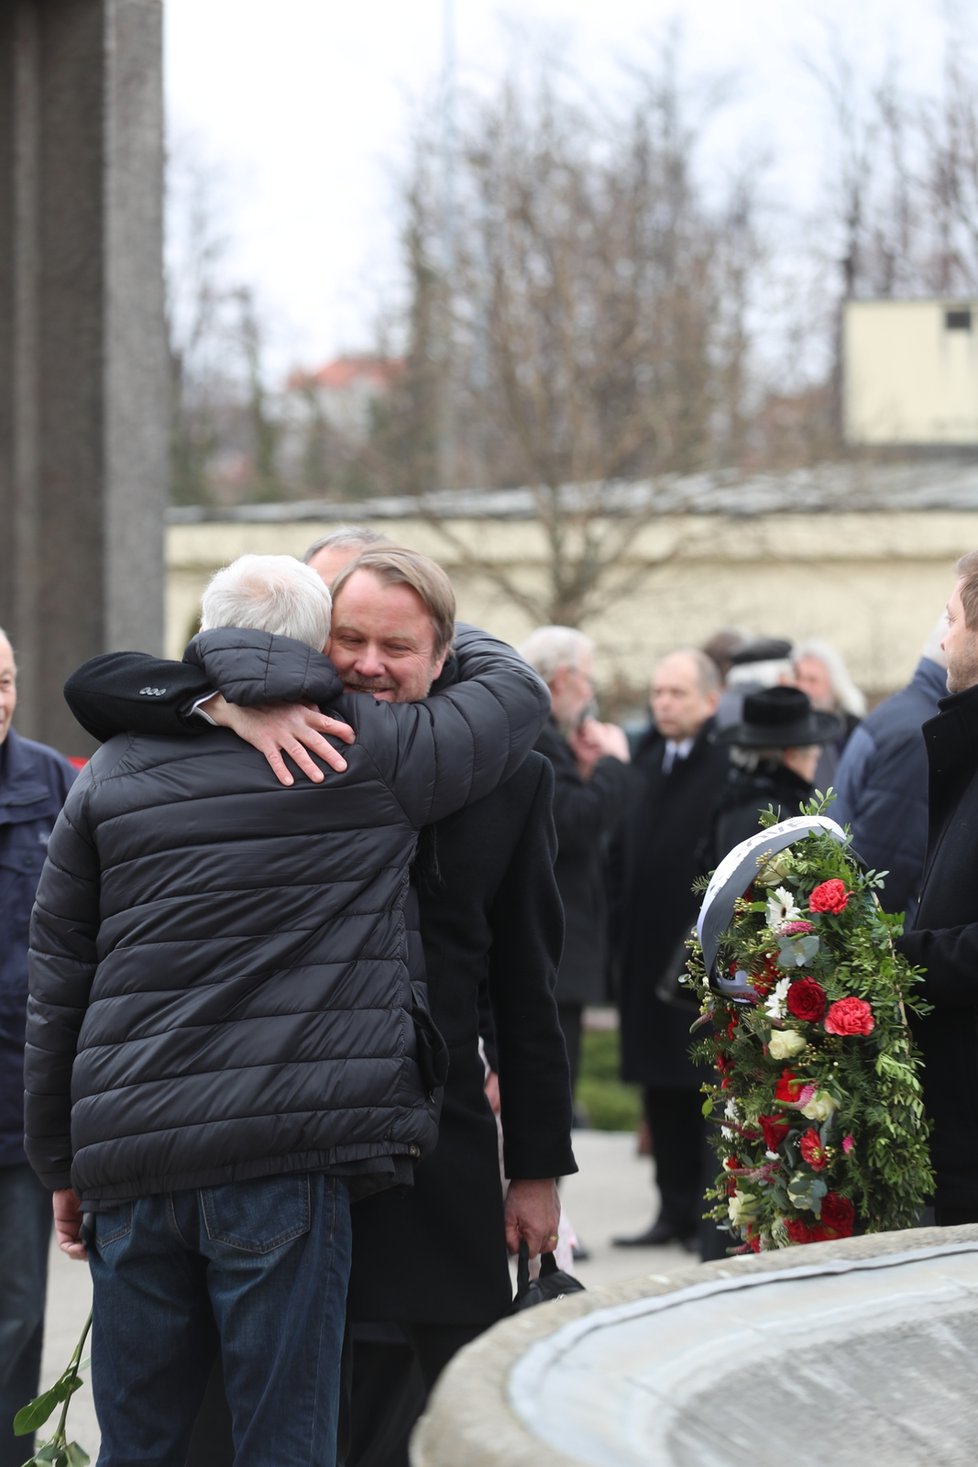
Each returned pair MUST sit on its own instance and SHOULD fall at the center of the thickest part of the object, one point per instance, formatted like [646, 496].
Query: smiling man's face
[382, 640]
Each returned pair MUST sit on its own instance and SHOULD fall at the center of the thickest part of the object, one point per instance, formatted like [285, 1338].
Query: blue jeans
[269, 1260]
[25, 1236]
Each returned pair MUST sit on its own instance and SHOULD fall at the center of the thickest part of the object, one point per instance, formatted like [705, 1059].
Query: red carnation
[813, 1151]
[849, 1016]
[806, 999]
[830, 896]
[838, 1216]
[774, 1130]
[789, 1086]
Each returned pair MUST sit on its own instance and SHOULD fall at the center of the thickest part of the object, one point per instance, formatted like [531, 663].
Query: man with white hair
[821, 673]
[590, 762]
[225, 1042]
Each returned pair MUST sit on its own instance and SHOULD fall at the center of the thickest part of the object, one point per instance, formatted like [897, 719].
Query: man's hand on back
[276, 729]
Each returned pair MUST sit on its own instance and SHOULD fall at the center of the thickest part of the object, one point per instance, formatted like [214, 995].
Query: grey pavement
[611, 1194]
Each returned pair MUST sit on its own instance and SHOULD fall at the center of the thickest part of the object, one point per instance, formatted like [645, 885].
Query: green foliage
[609, 1104]
[58, 1452]
[820, 1132]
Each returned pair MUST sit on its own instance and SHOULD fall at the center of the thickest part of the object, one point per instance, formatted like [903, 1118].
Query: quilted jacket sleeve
[61, 964]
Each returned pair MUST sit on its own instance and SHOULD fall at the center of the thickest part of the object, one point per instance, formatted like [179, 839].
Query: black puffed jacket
[219, 984]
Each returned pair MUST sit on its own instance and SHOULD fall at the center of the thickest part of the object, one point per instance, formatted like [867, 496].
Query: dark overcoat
[588, 813]
[944, 941]
[490, 913]
[658, 858]
[747, 793]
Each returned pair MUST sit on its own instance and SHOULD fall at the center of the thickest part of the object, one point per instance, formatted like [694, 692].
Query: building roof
[934, 484]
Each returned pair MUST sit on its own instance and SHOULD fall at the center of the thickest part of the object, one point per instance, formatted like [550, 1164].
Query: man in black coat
[433, 1264]
[944, 936]
[657, 859]
[590, 763]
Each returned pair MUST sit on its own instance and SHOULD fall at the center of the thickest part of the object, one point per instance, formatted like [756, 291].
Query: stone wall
[871, 584]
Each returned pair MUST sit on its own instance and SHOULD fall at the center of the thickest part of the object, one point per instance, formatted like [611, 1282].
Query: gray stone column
[83, 378]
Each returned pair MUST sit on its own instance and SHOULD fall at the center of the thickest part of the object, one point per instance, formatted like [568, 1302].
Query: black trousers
[394, 1369]
[675, 1120]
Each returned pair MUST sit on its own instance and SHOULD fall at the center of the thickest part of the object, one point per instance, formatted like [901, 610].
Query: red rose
[849, 1016]
[813, 1151]
[774, 1130]
[806, 999]
[788, 1086]
[797, 1230]
[830, 896]
[838, 1216]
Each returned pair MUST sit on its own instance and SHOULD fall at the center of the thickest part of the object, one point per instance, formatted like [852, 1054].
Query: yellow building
[860, 556]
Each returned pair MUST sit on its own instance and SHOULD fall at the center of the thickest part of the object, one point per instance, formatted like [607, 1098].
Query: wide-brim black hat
[780, 718]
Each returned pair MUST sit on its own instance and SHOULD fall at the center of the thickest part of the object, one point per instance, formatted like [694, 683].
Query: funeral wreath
[820, 1128]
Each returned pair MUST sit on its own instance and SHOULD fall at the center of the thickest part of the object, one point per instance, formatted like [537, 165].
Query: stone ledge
[730, 1363]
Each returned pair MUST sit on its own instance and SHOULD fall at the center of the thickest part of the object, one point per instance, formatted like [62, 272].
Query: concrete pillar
[83, 377]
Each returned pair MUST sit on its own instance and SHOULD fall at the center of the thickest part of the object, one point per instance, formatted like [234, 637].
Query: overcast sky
[304, 108]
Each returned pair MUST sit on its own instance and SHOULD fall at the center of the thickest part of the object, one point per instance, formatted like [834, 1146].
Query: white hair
[550, 648]
[847, 696]
[269, 593]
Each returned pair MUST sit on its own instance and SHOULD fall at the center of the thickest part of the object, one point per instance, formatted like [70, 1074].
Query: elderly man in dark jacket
[658, 857]
[944, 936]
[220, 974]
[881, 781]
[33, 783]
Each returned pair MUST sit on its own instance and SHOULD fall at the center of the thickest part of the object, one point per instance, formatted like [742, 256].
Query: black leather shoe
[656, 1236]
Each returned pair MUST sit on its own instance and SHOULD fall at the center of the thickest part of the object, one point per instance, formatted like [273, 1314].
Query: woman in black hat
[773, 753]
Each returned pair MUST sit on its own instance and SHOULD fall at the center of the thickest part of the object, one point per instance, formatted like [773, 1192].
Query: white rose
[741, 1208]
[785, 1044]
[820, 1107]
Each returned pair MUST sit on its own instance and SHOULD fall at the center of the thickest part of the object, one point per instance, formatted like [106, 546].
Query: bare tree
[598, 311]
[225, 433]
